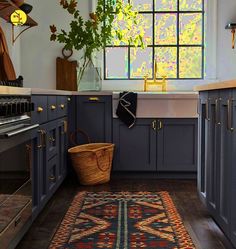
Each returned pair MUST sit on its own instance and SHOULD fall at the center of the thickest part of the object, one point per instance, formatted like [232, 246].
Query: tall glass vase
[89, 76]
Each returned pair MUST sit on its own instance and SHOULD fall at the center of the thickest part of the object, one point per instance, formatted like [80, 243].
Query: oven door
[15, 182]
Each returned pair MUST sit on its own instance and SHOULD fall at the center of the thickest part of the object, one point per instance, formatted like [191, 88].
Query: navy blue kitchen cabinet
[94, 117]
[50, 150]
[217, 136]
[135, 148]
[177, 145]
[158, 145]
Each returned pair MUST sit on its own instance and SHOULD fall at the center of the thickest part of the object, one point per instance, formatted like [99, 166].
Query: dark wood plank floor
[203, 230]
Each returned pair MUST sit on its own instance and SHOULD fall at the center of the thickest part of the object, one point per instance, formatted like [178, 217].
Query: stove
[15, 162]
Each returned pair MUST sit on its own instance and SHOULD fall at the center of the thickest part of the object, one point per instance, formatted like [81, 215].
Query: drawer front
[52, 174]
[39, 115]
[62, 106]
[52, 107]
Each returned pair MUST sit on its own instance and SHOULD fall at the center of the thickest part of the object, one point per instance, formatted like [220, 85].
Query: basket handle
[78, 131]
[97, 157]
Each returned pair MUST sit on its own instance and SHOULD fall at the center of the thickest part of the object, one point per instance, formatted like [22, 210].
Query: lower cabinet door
[177, 145]
[212, 155]
[223, 162]
[135, 148]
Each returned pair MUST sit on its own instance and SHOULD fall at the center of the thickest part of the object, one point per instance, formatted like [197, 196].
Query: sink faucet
[163, 82]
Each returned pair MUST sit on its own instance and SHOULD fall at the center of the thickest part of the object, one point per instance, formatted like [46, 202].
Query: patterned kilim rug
[122, 220]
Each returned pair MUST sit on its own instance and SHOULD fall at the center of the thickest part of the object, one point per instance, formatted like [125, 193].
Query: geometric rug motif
[122, 220]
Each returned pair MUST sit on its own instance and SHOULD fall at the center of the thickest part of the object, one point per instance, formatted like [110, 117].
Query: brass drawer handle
[154, 125]
[207, 109]
[52, 178]
[40, 109]
[93, 99]
[217, 112]
[53, 107]
[160, 125]
[62, 106]
[229, 114]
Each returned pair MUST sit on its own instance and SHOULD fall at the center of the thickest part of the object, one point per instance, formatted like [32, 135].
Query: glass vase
[89, 76]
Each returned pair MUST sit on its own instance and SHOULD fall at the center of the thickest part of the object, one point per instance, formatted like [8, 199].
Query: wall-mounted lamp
[232, 26]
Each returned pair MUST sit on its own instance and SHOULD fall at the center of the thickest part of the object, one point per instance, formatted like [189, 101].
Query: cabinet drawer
[62, 106]
[39, 115]
[52, 107]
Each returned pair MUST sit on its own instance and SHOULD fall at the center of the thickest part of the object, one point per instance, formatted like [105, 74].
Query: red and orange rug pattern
[122, 220]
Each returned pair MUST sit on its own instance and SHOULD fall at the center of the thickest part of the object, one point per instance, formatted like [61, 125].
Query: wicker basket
[92, 162]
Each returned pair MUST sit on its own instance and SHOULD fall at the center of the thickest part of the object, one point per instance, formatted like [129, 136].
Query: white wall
[38, 54]
[226, 56]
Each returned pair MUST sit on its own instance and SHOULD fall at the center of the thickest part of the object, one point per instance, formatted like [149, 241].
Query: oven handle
[17, 132]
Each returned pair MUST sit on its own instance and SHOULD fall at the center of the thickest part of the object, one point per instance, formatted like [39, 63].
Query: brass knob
[69, 99]
[62, 106]
[39, 109]
[52, 178]
[93, 99]
[53, 107]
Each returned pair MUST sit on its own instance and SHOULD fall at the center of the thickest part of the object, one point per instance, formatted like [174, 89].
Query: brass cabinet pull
[40, 139]
[65, 126]
[53, 107]
[62, 106]
[68, 99]
[93, 99]
[40, 109]
[217, 112]
[154, 125]
[52, 178]
[160, 125]
[207, 109]
[52, 140]
[229, 114]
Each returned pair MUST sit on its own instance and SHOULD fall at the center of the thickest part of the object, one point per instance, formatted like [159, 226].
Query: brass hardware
[53, 107]
[229, 115]
[65, 126]
[69, 99]
[40, 139]
[40, 109]
[62, 106]
[207, 109]
[217, 112]
[159, 125]
[52, 178]
[155, 82]
[93, 99]
[51, 139]
[154, 125]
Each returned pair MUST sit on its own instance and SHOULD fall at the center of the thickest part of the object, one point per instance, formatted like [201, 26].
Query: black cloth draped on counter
[126, 110]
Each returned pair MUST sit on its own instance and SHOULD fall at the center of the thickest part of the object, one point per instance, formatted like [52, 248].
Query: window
[174, 32]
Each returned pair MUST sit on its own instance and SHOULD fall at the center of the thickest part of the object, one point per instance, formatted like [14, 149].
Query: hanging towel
[126, 110]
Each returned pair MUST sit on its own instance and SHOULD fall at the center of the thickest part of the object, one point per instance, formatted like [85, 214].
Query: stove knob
[28, 107]
[4, 110]
[32, 107]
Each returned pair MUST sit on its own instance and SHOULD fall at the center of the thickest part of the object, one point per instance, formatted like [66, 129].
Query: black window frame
[153, 46]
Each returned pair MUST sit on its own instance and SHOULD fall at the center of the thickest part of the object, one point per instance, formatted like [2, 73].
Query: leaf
[53, 28]
[53, 37]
